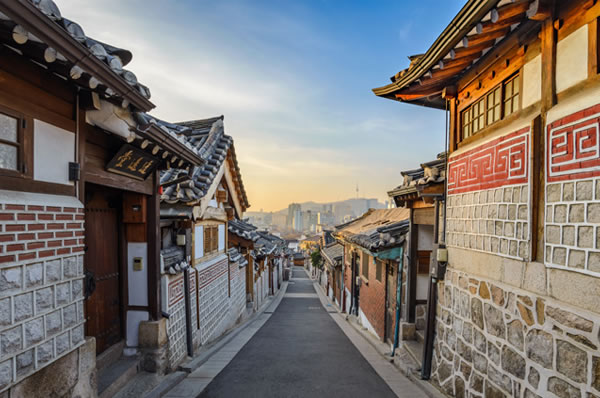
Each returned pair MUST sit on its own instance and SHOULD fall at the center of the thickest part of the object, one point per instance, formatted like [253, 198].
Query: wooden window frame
[365, 265]
[211, 238]
[469, 110]
[24, 145]
[379, 270]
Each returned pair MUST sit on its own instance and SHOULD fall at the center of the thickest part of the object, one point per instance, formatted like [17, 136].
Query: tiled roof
[333, 252]
[269, 244]
[243, 229]
[377, 229]
[236, 257]
[115, 58]
[433, 172]
[213, 146]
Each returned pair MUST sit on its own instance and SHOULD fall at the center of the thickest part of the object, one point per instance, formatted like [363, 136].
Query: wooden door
[390, 302]
[103, 316]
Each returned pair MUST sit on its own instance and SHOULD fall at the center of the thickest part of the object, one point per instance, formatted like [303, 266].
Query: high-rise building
[292, 209]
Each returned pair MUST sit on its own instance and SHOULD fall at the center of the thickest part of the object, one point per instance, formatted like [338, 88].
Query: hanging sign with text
[132, 162]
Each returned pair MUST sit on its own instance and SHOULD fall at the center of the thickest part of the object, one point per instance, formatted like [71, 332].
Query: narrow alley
[298, 352]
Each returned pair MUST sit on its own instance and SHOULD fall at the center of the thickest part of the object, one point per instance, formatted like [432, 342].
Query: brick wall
[372, 299]
[176, 323]
[213, 299]
[41, 282]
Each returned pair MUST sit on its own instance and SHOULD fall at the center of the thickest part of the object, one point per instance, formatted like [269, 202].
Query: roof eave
[173, 145]
[26, 14]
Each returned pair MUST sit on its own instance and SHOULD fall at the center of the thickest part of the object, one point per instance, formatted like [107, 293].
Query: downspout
[398, 299]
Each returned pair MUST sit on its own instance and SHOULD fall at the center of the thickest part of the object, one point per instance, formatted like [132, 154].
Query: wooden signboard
[132, 162]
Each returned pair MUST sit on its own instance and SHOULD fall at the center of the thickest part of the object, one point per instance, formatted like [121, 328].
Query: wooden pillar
[593, 48]
[153, 235]
[411, 275]
[548, 36]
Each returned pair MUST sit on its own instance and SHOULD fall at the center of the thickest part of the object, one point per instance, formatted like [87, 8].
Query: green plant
[316, 259]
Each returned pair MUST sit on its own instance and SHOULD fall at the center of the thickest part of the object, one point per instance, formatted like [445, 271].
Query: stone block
[539, 347]
[77, 335]
[53, 271]
[585, 237]
[593, 213]
[77, 289]
[53, 323]
[70, 315]
[10, 279]
[559, 256]
[45, 352]
[6, 373]
[584, 190]
[553, 193]
[516, 194]
[513, 248]
[512, 212]
[24, 363]
[594, 261]
[515, 334]
[34, 331]
[63, 293]
[87, 356]
[553, 234]
[477, 312]
[504, 246]
[34, 275]
[568, 191]
[574, 288]
[523, 212]
[11, 340]
[524, 250]
[549, 214]
[502, 211]
[507, 196]
[70, 267]
[576, 213]
[568, 235]
[562, 389]
[153, 334]
[500, 379]
[560, 213]
[533, 377]
[513, 363]
[596, 372]
[44, 299]
[63, 343]
[576, 259]
[509, 229]
[23, 304]
[464, 350]
[5, 312]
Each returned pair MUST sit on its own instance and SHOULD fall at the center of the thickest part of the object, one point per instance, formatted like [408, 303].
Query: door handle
[89, 283]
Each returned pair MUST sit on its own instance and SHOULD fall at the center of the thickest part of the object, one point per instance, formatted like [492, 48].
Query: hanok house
[78, 225]
[204, 301]
[333, 255]
[422, 192]
[373, 248]
[519, 305]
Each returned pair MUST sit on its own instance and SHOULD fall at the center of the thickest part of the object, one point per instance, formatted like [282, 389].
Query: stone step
[415, 349]
[114, 377]
[110, 355]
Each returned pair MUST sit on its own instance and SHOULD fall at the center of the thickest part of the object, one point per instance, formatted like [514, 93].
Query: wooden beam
[593, 48]
[540, 10]
[464, 61]
[513, 9]
[489, 26]
[472, 49]
[548, 36]
[476, 39]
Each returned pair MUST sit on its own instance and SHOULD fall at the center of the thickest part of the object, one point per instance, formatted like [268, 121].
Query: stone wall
[174, 305]
[572, 220]
[488, 197]
[494, 340]
[41, 282]
[213, 298]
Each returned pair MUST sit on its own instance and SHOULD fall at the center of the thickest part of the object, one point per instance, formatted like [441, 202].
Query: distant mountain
[357, 205]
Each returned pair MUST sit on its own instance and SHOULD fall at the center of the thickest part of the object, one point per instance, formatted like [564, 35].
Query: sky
[293, 79]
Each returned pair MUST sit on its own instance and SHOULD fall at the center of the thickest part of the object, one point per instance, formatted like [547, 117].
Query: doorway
[102, 266]
[390, 302]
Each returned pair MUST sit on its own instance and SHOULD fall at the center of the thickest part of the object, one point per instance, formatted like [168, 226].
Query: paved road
[299, 352]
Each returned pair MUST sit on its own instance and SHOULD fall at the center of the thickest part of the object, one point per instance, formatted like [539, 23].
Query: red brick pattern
[501, 162]
[39, 232]
[206, 276]
[573, 146]
[176, 290]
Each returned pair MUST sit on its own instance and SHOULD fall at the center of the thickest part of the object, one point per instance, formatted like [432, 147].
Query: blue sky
[293, 79]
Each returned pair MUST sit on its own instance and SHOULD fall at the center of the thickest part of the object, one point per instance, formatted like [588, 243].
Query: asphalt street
[299, 352]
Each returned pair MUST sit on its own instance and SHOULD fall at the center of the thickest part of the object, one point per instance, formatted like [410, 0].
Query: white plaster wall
[365, 322]
[532, 81]
[48, 142]
[511, 128]
[137, 281]
[199, 241]
[574, 103]
[425, 237]
[571, 59]
[221, 236]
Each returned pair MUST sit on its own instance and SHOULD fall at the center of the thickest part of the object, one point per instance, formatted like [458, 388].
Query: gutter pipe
[398, 300]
